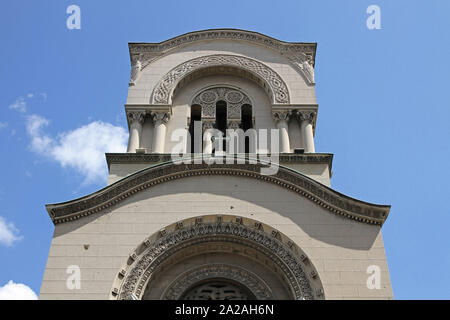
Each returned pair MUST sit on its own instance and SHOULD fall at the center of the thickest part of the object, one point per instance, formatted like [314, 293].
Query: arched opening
[196, 115]
[247, 123]
[221, 116]
[221, 119]
[218, 289]
[220, 256]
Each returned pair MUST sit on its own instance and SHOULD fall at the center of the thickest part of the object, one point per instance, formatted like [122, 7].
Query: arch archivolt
[257, 286]
[287, 260]
[254, 70]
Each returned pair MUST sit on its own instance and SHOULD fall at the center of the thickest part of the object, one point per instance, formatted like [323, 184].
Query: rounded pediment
[321, 195]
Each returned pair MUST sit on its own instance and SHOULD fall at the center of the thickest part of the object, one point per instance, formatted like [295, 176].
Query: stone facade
[164, 230]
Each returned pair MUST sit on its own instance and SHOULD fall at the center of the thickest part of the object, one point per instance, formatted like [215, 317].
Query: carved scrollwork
[148, 261]
[252, 282]
[208, 98]
[278, 88]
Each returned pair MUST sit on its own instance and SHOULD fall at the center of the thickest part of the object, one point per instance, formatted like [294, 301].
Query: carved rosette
[136, 117]
[278, 88]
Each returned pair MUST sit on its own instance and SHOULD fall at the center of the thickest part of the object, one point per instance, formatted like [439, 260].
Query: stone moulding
[154, 158]
[294, 51]
[289, 179]
[145, 261]
[278, 89]
[256, 285]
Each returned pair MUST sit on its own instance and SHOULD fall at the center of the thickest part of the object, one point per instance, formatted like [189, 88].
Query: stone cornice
[297, 52]
[154, 158]
[323, 196]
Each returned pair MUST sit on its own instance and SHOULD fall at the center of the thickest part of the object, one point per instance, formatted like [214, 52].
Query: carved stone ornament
[307, 116]
[233, 124]
[252, 282]
[135, 72]
[147, 263]
[297, 53]
[206, 125]
[160, 116]
[289, 179]
[208, 98]
[278, 88]
[281, 115]
[136, 116]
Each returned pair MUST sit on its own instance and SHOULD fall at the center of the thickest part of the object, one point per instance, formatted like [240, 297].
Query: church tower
[221, 193]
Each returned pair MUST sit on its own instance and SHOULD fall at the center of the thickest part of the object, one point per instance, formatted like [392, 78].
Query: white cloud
[20, 105]
[16, 291]
[8, 233]
[40, 142]
[82, 149]
[3, 125]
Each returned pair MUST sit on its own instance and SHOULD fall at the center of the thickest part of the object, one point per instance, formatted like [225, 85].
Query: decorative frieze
[276, 85]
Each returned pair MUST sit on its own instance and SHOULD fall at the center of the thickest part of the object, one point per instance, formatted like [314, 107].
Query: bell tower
[192, 211]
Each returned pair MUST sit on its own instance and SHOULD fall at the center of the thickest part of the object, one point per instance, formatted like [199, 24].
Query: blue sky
[383, 111]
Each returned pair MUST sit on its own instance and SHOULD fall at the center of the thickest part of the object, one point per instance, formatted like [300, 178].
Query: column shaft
[281, 118]
[159, 137]
[283, 128]
[307, 131]
[136, 120]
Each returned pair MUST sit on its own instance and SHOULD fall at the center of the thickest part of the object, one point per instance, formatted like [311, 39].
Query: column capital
[307, 116]
[160, 116]
[208, 124]
[234, 124]
[281, 115]
[136, 117]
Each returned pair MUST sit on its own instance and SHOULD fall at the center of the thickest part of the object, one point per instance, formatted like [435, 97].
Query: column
[306, 125]
[159, 137]
[281, 119]
[136, 119]
[207, 136]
